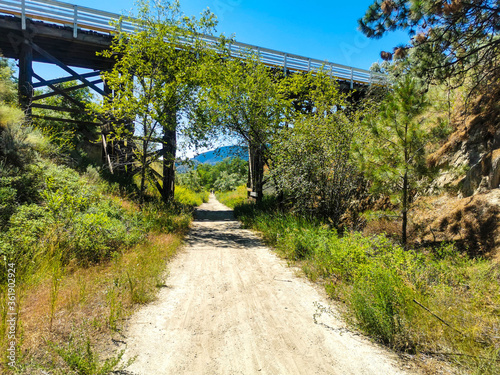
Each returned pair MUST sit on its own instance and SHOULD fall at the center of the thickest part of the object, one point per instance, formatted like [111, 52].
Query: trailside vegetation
[153, 83]
[224, 176]
[393, 155]
[440, 305]
[80, 252]
[312, 165]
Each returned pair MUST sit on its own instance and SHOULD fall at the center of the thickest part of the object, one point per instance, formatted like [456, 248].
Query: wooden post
[25, 85]
[256, 168]
[105, 129]
[169, 151]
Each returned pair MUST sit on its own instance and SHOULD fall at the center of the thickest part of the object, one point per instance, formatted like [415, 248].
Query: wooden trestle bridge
[69, 35]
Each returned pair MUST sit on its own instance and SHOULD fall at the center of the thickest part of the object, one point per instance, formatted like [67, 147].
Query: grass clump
[233, 198]
[81, 357]
[436, 302]
[189, 197]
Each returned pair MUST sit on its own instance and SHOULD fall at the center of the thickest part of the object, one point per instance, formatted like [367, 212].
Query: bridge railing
[80, 17]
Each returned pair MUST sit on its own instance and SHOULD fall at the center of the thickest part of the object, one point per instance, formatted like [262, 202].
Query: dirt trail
[233, 307]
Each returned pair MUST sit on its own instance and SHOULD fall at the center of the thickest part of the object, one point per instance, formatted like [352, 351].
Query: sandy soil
[232, 307]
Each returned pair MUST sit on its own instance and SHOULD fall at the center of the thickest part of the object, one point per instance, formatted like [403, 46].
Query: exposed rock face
[470, 165]
[470, 159]
[494, 176]
[483, 176]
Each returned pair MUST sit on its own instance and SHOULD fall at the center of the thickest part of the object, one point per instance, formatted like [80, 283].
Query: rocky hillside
[469, 164]
[470, 159]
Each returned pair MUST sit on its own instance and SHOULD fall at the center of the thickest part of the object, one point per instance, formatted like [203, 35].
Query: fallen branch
[462, 355]
[439, 318]
[286, 281]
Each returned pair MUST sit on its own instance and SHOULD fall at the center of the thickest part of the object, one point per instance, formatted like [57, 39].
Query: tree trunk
[405, 209]
[169, 151]
[143, 171]
[256, 168]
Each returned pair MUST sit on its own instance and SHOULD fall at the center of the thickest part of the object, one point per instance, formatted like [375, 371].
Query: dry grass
[95, 300]
[472, 223]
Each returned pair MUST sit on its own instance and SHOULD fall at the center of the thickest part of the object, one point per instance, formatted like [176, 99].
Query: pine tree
[450, 39]
[393, 157]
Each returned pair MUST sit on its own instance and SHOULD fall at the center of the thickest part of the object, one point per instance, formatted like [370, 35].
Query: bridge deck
[85, 26]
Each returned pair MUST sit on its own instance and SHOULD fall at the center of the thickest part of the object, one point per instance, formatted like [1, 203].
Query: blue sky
[325, 30]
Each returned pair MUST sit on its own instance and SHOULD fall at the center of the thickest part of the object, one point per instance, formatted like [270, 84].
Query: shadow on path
[208, 215]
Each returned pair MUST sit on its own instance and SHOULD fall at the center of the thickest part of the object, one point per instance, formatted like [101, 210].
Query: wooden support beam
[25, 85]
[59, 91]
[105, 155]
[70, 121]
[51, 58]
[63, 93]
[67, 89]
[55, 108]
[67, 79]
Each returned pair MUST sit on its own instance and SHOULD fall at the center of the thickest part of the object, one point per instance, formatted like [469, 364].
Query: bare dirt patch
[472, 223]
[231, 306]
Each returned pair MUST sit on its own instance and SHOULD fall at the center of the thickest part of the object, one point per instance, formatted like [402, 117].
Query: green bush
[188, 197]
[233, 198]
[382, 305]
[95, 236]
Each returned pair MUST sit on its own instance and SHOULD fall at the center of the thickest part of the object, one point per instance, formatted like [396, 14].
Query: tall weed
[233, 198]
[81, 357]
[189, 197]
[436, 301]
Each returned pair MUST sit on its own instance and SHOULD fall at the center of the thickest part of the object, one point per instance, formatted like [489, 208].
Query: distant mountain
[221, 153]
[213, 157]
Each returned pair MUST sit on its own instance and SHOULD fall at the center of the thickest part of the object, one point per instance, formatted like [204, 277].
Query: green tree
[223, 176]
[190, 179]
[153, 82]
[246, 100]
[449, 38]
[69, 136]
[7, 86]
[312, 160]
[393, 156]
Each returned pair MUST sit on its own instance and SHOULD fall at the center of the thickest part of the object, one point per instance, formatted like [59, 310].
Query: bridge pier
[25, 84]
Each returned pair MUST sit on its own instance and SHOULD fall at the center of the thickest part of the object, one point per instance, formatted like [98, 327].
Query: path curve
[232, 307]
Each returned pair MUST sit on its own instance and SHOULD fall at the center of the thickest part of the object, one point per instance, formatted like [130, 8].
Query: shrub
[233, 198]
[381, 303]
[95, 236]
[188, 197]
[14, 148]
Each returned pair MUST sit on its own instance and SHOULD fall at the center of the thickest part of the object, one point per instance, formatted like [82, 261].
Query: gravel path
[232, 307]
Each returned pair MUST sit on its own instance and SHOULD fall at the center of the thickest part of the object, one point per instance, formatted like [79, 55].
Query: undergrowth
[82, 254]
[435, 302]
[188, 197]
[234, 197]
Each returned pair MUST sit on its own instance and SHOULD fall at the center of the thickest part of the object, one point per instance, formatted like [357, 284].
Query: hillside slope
[469, 171]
